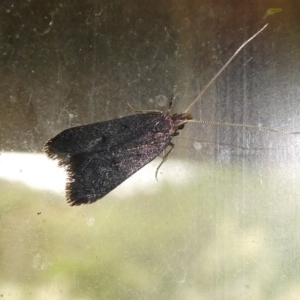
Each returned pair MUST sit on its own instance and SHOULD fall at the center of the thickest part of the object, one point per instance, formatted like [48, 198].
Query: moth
[100, 156]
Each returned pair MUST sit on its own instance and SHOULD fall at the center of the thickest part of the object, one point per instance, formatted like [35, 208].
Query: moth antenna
[223, 68]
[242, 125]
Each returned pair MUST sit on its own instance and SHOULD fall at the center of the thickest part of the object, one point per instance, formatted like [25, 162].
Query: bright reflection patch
[39, 172]
[34, 170]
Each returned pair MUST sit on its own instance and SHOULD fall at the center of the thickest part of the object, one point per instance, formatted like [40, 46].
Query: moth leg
[164, 158]
[171, 102]
[144, 111]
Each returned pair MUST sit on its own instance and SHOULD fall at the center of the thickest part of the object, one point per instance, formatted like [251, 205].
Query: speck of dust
[197, 146]
[161, 100]
[90, 221]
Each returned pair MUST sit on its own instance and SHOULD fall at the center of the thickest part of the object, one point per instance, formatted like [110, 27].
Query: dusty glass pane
[222, 220]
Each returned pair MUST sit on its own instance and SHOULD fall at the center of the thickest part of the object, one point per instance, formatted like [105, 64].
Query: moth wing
[99, 136]
[93, 175]
[98, 157]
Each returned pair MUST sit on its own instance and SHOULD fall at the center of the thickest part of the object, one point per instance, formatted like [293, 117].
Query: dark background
[66, 63]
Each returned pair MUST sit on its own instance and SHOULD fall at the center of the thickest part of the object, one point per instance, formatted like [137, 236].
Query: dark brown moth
[100, 156]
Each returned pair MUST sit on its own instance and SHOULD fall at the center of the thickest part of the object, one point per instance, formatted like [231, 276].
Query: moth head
[180, 119]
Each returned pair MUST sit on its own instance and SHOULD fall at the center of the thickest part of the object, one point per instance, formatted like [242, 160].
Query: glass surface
[222, 221]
